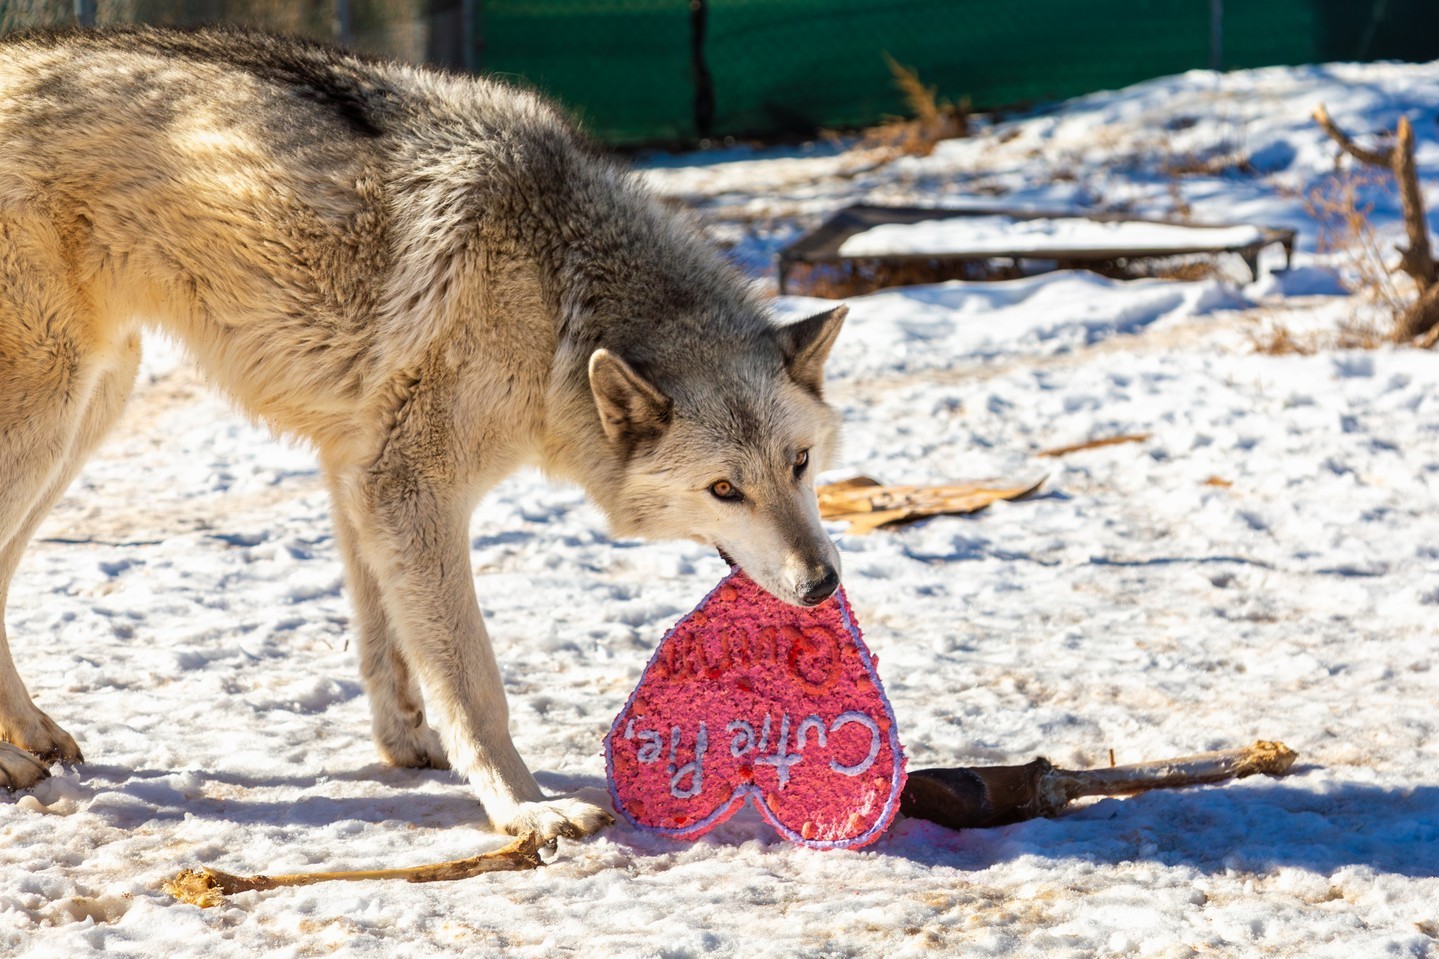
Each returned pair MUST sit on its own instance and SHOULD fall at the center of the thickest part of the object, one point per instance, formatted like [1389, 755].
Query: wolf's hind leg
[62, 384]
[397, 711]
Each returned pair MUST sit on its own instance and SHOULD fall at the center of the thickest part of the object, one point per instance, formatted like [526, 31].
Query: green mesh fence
[802, 64]
[681, 70]
[768, 67]
[625, 66]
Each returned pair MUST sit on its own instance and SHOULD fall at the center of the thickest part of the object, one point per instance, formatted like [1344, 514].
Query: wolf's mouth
[803, 595]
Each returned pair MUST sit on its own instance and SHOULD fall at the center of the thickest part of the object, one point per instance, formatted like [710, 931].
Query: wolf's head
[723, 448]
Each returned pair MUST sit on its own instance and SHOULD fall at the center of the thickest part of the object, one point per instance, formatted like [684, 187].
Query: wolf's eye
[725, 490]
[801, 460]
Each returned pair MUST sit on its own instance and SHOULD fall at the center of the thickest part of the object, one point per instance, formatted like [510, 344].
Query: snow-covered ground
[1264, 565]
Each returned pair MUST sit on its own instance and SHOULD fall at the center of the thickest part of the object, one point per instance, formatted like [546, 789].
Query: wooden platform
[818, 252]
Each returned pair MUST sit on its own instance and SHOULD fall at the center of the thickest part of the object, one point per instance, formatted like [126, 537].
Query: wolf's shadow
[1252, 825]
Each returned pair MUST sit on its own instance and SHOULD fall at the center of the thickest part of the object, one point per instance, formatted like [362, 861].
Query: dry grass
[1338, 206]
[1279, 340]
[1357, 333]
[932, 120]
[1366, 265]
[1188, 268]
[1226, 158]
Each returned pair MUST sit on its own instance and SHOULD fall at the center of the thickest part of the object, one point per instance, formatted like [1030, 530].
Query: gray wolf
[433, 280]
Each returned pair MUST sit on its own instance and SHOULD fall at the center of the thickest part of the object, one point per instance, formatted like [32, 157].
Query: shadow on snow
[1253, 825]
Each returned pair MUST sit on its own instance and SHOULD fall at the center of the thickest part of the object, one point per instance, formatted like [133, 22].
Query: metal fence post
[469, 34]
[344, 26]
[704, 105]
[1216, 35]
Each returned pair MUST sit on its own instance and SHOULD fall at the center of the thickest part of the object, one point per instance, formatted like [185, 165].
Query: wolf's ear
[806, 345]
[631, 408]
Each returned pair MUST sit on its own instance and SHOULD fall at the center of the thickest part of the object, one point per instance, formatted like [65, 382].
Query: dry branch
[867, 505]
[1346, 143]
[978, 797]
[208, 887]
[1416, 259]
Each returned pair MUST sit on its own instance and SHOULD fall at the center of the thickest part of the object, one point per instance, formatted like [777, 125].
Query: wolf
[432, 279]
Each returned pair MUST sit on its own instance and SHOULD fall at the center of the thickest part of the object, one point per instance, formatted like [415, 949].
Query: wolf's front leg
[415, 538]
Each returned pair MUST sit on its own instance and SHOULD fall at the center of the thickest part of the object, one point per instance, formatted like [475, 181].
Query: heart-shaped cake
[748, 697]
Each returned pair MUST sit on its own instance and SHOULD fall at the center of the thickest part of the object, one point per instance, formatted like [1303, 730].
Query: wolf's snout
[821, 589]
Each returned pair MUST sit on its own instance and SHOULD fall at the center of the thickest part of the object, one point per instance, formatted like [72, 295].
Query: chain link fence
[681, 71]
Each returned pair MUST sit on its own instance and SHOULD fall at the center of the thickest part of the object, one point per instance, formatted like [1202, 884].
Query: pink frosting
[748, 697]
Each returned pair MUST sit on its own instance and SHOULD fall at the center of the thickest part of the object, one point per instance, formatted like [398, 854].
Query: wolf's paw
[19, 769]
[415, 747]
[41, 735]
[569, 817]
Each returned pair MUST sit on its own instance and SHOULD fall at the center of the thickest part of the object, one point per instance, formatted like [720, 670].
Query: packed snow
[1262, 564]
[1044, 235]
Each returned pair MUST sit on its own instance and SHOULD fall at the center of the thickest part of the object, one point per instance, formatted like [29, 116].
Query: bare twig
[1095, 444]
[208, 887]
[978, 797]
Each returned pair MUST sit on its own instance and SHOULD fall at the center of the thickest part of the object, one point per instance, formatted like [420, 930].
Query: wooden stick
[1416, 259]
[1095, 444]
[983, 796]
[208, 887]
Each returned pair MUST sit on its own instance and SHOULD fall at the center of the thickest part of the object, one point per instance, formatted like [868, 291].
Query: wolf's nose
[820, 590]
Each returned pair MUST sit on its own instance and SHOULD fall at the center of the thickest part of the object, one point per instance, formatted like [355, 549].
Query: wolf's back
[247, 167]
